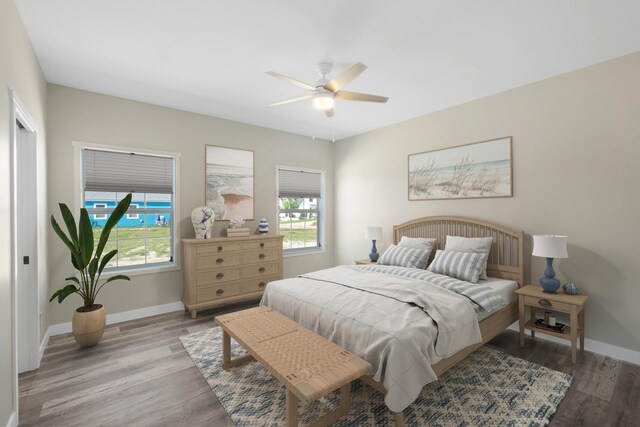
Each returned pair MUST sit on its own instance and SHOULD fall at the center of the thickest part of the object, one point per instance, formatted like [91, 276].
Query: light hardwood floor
[140, 375]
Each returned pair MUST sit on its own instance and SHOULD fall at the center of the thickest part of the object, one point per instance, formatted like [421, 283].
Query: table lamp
[373, 234]
[550, 247]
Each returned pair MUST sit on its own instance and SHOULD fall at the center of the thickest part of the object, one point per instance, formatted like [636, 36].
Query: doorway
[24, 242]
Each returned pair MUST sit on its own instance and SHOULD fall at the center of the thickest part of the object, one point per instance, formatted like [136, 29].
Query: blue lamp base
[549, 282]
[373, 256]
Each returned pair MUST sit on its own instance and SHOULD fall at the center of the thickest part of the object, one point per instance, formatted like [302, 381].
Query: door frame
[18, 112]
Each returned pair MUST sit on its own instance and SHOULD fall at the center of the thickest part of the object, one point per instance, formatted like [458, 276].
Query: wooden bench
[308, 365]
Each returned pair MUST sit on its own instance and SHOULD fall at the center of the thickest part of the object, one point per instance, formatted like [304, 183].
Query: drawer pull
[261, 269]
[261, 284]
[219, 261]
[261, 256]
[219, 248]
[220, 292]
[220, 275]
[544, 302]
[262, 244]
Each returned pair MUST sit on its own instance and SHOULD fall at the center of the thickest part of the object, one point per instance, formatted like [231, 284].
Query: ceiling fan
[325, 92]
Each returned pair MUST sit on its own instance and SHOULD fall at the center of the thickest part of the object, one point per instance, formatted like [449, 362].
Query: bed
[409, 332]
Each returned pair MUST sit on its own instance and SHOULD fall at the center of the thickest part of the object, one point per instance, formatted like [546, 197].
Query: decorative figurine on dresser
[263, 227]
[203, 218]
[225, 270]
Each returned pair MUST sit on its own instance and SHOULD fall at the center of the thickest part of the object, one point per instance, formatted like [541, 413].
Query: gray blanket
[401, 326]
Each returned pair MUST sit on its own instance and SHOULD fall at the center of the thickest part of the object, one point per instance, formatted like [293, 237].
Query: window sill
[286, 254]
[142, 270]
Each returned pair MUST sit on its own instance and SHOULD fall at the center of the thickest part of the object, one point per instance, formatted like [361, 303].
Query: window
[97, 206]
[300, 209]
[145, 235]
[133, 206]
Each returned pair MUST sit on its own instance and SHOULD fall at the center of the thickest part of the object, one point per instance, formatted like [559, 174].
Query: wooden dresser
[225, 270]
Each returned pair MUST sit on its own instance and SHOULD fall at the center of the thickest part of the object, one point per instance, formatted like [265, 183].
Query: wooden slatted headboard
[506, 259]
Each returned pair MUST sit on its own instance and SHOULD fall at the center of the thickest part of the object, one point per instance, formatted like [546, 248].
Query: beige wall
[576, 148]
[76, 115]
[20, 71]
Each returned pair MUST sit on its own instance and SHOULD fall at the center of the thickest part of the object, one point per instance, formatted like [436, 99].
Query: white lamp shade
[550, 246]
[373, 233]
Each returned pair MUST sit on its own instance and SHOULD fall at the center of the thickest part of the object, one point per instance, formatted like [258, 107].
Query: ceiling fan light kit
[323, 100]
[325, 92]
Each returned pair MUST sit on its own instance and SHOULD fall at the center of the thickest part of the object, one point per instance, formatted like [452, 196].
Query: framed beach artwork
[229, 182]
[480, 169]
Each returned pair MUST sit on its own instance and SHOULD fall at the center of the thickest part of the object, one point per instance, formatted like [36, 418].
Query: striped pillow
[465, 266]
[402, 256]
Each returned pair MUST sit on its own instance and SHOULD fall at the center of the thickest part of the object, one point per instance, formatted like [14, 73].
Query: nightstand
[365, 261]
[573, 305]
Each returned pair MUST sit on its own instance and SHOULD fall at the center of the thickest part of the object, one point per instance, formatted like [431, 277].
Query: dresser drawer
[265, 255]
[553, 305]
[213, 260]
[261, 270]
[257, 284]
[218, 275]
[219, 248]
[217, 292]
[261, 244]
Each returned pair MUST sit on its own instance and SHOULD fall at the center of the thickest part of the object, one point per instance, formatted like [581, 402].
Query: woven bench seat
[310, 366]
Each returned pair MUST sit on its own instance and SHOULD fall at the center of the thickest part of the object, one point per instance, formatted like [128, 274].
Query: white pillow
[418, 243]
[459, 265]
[402, 256]
[476, 245]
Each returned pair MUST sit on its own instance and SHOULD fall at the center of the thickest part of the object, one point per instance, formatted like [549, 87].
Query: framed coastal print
[229, 182]
[480, 169]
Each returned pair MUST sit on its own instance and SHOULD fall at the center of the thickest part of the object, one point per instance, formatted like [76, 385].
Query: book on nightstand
[559, 327]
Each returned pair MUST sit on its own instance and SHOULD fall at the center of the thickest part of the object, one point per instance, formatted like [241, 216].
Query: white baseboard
[594, 346]
[123, 316]
[43, 345]
[13, 420]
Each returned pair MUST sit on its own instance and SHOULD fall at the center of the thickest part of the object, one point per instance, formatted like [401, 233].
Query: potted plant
[89, 320]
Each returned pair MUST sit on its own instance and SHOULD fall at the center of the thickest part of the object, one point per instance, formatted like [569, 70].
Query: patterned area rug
[488, 388]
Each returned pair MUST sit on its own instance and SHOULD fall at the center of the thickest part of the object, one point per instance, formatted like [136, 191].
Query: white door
[27, 310]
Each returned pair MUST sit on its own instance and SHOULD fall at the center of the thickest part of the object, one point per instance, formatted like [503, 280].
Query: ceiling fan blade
[329, 112]
[289, 101]
[293, 81]
[355, 96]
[345, 77]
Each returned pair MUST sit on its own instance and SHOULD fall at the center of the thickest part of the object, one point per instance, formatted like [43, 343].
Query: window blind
[127, 172]
[298, 184]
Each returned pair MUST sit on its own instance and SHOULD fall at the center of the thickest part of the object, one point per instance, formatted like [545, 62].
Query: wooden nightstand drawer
[213, 260]
[547, 304]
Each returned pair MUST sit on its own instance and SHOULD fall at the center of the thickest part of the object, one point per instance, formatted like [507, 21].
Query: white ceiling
[210, 56]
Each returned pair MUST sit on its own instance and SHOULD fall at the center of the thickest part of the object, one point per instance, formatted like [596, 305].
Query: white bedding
[505, 288]
[400, 325]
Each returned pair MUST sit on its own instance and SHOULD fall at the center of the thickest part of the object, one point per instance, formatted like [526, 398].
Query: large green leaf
[73, 279]
[63, 293]
[67, 216]
[76, 261]
[105, 260]
[63, 237]
[116, 277]
[93, 267]
[86, 237]
[117, 213]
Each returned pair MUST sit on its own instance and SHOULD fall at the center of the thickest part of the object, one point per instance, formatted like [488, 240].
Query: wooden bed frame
[506, 261]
